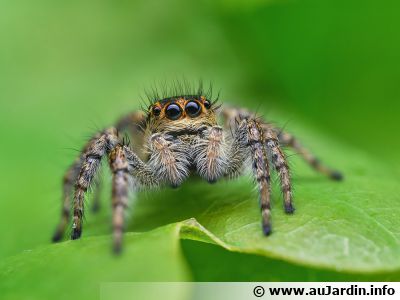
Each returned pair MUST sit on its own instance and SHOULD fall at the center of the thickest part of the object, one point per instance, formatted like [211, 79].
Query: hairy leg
[289, 140]
[168, 159]
[132, 123]
[209, 154]
[69, 179]
[68, 183]
[248, 142]
[90, 165]
[236, 156]
[120, 186]
[124, 164]
[281, 166]
[261, 172]
[232, 114]
[127, 169]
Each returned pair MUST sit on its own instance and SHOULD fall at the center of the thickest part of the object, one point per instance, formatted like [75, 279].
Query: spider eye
[173, 111]
[207, 104]
[156, 110]
[193, 109]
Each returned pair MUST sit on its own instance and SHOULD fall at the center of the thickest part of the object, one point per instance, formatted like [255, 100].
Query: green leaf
[77, 269]
[60, 79]
[349, 226]
[341, 231]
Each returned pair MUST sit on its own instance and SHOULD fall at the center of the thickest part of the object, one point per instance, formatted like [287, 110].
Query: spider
[174, 138]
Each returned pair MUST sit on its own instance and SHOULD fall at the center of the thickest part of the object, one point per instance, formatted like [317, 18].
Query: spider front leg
[168, 159]
[261, 172]
[248, 137]
[281, 166]
[210, 155]
[127, 168]
[120, 186]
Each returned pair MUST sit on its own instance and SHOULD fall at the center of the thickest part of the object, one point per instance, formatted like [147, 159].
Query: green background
[326, 70]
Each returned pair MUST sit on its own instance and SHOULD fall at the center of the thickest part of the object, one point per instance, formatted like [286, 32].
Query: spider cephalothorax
[176, 137]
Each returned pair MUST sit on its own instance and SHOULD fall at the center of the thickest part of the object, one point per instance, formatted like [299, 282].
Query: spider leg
[68, 183]
[270, 144]
[248, 142]
[209, 154]
[237, 153]
[90, 165]
[124, 164]
[272, 147]
[120, 186]
[261, 172]
[126, 168]
[281, 166]
[289, 140]
[231, 114]
[132, 123]
[69, 180]
[168, 159]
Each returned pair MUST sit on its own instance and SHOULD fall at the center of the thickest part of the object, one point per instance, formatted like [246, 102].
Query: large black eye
[173, 111]
[193, 109]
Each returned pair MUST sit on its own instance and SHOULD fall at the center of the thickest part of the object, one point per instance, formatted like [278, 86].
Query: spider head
[188, 112]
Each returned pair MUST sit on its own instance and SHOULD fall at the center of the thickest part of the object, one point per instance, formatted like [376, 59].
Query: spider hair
[164, 92]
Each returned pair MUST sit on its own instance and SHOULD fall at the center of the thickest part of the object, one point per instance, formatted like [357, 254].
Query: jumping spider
[178, 136]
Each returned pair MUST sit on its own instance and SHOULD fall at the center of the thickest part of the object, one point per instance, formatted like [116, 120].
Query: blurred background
[68, 68]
